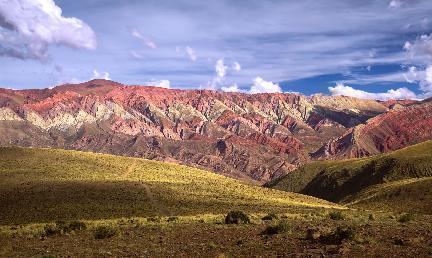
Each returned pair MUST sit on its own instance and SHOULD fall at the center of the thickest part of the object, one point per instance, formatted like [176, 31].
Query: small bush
[51, 230]
[154, 219]
[336, 237]
[172, 219]
[237, 217]
[77, 225]
[63, 227]
[69, 226]
[104, 231]
[313, 234]
[399, 241]
[405, 218]
[270, 216]
[279, 228]
[336, 215]
[371, 217]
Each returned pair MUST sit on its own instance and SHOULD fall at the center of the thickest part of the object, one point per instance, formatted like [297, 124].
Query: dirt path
[130, 169]
[154, 202]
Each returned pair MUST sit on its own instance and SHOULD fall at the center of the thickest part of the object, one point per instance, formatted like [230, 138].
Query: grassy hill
[410, 195]
[43, 185]
[344, 180]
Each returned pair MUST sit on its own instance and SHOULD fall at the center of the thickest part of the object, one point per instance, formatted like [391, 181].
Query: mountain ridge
[255, 137]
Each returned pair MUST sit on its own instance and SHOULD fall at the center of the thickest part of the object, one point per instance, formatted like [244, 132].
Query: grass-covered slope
[338, 180]
[42, 185]
[409, 195]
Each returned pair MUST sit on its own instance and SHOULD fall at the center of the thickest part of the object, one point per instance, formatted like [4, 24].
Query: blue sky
[307, 46]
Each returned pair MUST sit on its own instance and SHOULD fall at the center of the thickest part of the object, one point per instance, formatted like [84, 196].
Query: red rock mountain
[254, 137]
[387, 132]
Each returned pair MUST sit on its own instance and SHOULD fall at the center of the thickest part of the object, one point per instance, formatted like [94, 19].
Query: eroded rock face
[396, 129]
[253, 137]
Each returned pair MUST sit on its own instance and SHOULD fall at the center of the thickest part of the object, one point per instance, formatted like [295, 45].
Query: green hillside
[42, 185]
[410, 195]
[342, 180]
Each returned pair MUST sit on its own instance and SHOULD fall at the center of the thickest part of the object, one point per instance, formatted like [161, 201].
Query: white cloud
[395, 4]
[262, 86]
[137, 55]
[191, 53]
[422, 77]
[376, 78]
[412, 75]
[219, 80]
[422, 46]
[232, 88]
[221, 69]
[236, 66]
[162, 83]
[148, 42]
[102, 75]
[34, 25]
[187, 52]
[401, 93]
[426, 83]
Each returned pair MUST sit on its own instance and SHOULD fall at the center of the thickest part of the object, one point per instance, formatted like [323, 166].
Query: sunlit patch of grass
[45, 185]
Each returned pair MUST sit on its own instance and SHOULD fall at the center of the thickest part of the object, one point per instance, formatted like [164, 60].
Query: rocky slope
[254, 137]
[390, 131]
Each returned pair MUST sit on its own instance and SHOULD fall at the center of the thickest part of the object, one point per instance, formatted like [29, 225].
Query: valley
[67, 203]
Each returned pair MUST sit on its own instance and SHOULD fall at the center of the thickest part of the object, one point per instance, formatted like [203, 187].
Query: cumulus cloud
[422, 46]
[401, 93]
[420, 50]
[101, 75]
[31, 26]
[262, 86]
[219, 81]
[232, 88]
[221, 69]
[421, 76]
[426, 83]
[148, 42]
[161, 83]
[220, 73]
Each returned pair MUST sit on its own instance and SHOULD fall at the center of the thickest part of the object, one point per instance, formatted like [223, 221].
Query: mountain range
[253, 137]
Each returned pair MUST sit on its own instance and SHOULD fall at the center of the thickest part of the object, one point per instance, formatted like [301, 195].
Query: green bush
[406, 218]
[340, 234]
[237, 217]
[270, 216]
[336, 215]
[104, 231]
[279, 228]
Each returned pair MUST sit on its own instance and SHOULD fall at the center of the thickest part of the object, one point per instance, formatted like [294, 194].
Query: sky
[378, 49]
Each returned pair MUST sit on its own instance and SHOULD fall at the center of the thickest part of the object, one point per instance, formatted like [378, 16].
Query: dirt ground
[373, 238]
